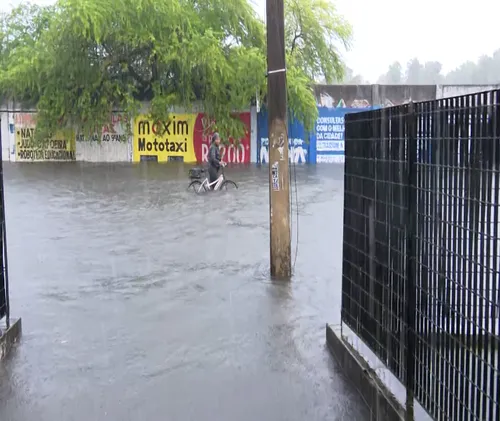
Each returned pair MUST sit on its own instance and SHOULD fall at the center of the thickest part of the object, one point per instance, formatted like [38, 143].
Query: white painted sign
[230, 154]
[296, 151]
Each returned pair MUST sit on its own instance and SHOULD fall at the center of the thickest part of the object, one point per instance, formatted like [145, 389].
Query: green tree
[80, 59]
[465, 73]
[313, 32]
[19, 33]
[485, 71]
[394, 75]
[431, 73]
[352, 79]
[414, 72]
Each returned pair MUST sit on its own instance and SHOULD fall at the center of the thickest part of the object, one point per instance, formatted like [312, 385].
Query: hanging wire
[295, 189]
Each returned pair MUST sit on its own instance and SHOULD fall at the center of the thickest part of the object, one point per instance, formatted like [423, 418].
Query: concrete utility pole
[279, 181]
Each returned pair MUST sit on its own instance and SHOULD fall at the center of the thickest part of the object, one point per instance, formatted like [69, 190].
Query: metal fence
[421, 262]
[4, 282]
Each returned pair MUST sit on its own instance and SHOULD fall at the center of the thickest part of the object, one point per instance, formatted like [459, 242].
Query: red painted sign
[231, 154]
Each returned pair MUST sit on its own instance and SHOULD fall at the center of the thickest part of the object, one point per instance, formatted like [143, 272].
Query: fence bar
[4, 278]
[411, 290]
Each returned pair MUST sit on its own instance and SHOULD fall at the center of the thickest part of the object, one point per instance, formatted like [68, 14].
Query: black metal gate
[4, 282]
[421, 263]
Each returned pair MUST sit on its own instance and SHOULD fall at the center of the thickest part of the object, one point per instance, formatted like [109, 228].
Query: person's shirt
[214, 156]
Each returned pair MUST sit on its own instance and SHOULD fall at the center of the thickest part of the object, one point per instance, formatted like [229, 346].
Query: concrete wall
[115, 138]
[4, 135]
[363, 96]
[447, 91]
[334, 101]
[115, 142]
[105, 152]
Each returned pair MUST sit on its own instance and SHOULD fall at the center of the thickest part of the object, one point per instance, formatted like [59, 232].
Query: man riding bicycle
[214, 162]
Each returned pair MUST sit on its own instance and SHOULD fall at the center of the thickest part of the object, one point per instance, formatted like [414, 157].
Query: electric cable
[294, 170]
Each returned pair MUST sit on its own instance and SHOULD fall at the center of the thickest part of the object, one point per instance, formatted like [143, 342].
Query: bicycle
[222, 183]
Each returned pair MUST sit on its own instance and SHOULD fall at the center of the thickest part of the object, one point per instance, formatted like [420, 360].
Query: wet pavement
[141, 300]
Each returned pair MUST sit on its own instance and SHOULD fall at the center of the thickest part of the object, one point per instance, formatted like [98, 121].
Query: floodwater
[141, 300]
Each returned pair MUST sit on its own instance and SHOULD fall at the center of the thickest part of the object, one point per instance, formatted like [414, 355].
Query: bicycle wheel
[195, 186]
[228, 185]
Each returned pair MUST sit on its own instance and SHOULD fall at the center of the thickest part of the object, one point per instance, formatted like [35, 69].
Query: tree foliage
[313, 33]
[81, 59]
[350, 78]
[485, 71]
[393, 76]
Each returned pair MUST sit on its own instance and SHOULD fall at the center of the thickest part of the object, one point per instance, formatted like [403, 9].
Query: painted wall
[61, 146]
[113, 143]
[253, 134]
[185, 138]
[17, 113]
[301, 149]
[117, 140]
[238, 152]
[22, 147]
[325, 145]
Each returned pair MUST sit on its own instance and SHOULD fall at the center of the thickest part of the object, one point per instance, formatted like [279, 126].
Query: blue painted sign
[325, 145]
[299, 151]
[330, 129]
[330, 133]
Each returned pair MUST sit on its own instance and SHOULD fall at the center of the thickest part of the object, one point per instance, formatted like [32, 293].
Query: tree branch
[127, 60]
[295, 39]
[136, 76]
[298, 32]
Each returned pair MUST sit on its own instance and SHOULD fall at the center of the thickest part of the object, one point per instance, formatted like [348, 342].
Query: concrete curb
[10, 337]
[382, 403]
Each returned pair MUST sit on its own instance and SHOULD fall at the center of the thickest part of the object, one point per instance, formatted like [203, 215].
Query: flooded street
[141, 300]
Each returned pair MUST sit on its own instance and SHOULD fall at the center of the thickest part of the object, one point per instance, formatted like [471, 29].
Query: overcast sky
[448, 31]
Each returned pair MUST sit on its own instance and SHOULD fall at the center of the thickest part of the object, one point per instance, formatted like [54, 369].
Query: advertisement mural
[184, 138]
[330, 133]
[330, 128]
[300, 151]
[164, 141]
[325, 145]
[234, 153]
[59, 147]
